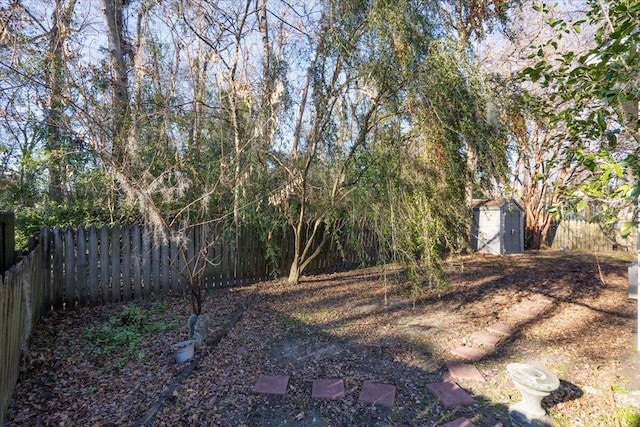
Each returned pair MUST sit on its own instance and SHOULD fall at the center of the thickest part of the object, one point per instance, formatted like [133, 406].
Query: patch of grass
[314, 317]
[628, 416]
[620, 389]
[122, 334]
[558, 420]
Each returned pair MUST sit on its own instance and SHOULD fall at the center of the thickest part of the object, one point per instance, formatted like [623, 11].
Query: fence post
[7, 241]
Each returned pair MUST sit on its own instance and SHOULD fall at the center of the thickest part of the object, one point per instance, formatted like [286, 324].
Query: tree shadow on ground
[331, 326]
[576, 283]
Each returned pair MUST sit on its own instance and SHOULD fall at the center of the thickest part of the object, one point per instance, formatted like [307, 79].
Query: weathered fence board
[116, 282]
[126, 264]
[104, 264]
[69, 266]
[146, 264]
[93, 254]
[174, 268]
[7, 241]
[58, 257]
[81, 267]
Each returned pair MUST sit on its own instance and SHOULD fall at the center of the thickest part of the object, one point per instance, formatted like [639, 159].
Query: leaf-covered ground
[109, 365]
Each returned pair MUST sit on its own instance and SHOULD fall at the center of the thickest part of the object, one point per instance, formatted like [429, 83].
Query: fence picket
[127, 294]
[116, 294]
[105, 267]
[7, 384]
[44, 277]
[93, 266]
[146, 263]
[190, 263]
[57, 268]
[245, 261]
[81, 266]
[155, 269]
[173, 265]
[69, 268]
[136, 257]
[225, 267]
[164, 268]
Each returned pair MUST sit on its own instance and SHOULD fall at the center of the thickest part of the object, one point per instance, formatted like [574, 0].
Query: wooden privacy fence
[92, 266]
[23, 299]
[583, 235]
[99, 265]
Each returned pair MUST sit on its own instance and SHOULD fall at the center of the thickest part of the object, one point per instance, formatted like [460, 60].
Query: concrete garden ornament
[534, 384]
[198, 324]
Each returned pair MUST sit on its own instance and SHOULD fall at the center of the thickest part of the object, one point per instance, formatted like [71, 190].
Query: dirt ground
[358, 326]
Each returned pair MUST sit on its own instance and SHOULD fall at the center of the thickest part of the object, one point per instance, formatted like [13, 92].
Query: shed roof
[493, 203]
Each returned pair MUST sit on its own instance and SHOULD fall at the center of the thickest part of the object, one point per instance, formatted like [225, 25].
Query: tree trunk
[294, 272]
[112, 13]
[58, 35]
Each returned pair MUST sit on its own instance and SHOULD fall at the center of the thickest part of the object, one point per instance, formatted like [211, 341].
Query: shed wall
[488, 233]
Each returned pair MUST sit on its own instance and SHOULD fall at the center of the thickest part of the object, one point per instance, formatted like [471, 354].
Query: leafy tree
[49, 176]
[540, 171]
[396, 150]
[597, 94]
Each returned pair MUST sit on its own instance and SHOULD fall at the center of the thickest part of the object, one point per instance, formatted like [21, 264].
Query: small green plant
[123, 334]
[620, 389]
[628, 416]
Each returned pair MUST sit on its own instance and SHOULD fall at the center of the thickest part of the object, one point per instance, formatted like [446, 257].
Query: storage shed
[498, 227]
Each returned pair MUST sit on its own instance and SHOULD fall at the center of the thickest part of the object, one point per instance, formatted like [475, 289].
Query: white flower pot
[183, 351]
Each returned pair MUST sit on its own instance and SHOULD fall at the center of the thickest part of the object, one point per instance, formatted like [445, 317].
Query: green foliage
[593, 93]
[629, 416]
[88, 203]
[122, 336]
[408, 178]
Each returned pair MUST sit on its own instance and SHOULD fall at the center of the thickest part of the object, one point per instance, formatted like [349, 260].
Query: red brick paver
[487, 340]
[500, 329]
[450, 394]
[378, 394]
[268, 384]
[460, 422]
[464, 371]
[327, 389]
[469, 353]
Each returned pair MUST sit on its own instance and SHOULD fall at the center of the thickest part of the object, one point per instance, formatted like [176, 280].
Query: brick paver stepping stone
[378, 394]
[528, 310]
[271, 384]
[327, 389]
[450, 394]
[469, 353]
[500, 329]
[459, 422]
[488, 340]
[464, 371]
